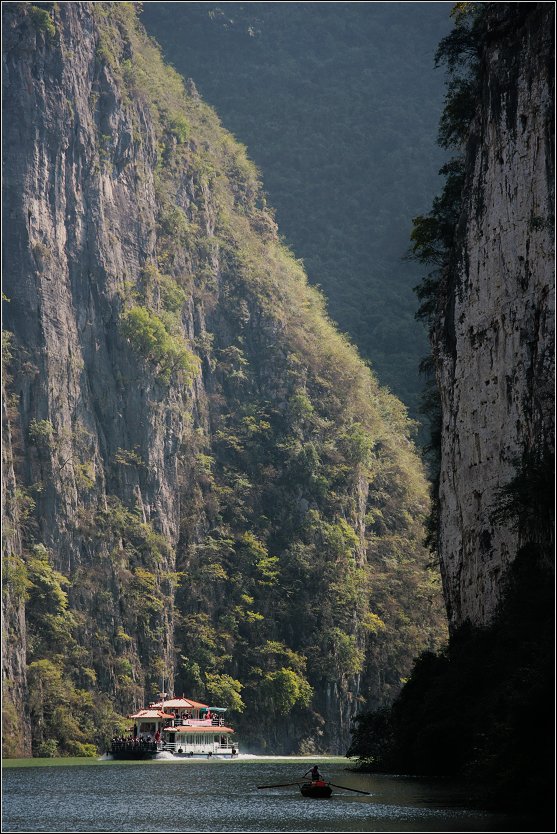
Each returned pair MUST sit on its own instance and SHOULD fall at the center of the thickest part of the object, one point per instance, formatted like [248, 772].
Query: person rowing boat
[315, 775]
[317, 789]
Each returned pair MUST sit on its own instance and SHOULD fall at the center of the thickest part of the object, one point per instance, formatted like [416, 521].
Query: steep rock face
[230, 500]
[74, 232]
[15, 716]
[495, 345]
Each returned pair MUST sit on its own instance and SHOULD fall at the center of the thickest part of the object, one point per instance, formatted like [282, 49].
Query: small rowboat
[317, 790]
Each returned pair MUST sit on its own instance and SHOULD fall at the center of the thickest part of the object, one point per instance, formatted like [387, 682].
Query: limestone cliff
[210, 491]
[493, 342]
[16, 726]
[482, 709]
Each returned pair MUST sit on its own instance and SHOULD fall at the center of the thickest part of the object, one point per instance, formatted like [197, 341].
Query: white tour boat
[181, 726]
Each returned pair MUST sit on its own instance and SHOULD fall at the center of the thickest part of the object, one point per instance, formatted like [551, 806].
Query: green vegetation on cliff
[483, 708]
[293, 580]
[337, 103]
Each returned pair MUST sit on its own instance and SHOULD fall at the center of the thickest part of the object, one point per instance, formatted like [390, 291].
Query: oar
[344, 788]
[282, 785]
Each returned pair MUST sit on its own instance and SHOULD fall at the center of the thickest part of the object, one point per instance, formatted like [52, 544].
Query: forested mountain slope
[205, 484]
[338, 104]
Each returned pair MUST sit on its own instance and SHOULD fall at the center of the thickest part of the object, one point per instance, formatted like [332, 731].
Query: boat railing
[131, 745]
[199, 722]
[215, 747]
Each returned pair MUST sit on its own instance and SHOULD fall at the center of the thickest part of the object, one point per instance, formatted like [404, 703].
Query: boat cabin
[147, 722]
[199, 741]
[179, 725]
[193, 728]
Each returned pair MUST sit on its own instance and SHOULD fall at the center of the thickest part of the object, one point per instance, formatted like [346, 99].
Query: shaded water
[218, 795]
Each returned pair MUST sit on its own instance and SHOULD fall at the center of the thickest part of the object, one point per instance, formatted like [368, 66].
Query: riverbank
[104, 760]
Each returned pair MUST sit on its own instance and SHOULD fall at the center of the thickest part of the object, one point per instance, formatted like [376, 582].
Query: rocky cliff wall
[75, 230]
[220, 499]
[495, 344]
[16, 724]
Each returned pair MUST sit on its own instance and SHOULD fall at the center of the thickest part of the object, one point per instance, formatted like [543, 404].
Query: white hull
[174, 755]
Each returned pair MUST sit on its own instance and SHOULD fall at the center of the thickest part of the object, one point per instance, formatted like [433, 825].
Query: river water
[217, 795]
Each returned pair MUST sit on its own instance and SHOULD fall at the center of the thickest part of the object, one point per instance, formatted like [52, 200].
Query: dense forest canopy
[338, 104]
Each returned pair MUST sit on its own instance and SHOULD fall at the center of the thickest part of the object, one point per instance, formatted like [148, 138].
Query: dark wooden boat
[133, 750]
[317, 790]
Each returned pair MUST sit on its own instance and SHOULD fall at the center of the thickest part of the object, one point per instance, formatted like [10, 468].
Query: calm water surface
[217, 796]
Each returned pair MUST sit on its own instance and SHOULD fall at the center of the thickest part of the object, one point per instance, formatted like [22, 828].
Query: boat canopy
[152, 713]
[213, 709]
[174, 703]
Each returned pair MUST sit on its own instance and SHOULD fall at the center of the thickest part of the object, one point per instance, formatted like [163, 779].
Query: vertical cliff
[218, 496]
[15, 715]
[493, 341]
[483, 708]
[77, 227]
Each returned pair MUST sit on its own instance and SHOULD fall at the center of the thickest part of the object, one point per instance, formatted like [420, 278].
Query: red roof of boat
[197, 705]
[179, 703]
[152, 713]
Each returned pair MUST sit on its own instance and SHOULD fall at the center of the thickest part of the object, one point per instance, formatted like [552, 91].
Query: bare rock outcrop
[495, 345]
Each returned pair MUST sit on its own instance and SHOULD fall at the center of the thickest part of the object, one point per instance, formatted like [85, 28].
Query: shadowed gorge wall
[494, 338]
[209, 486]
[482, 709]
